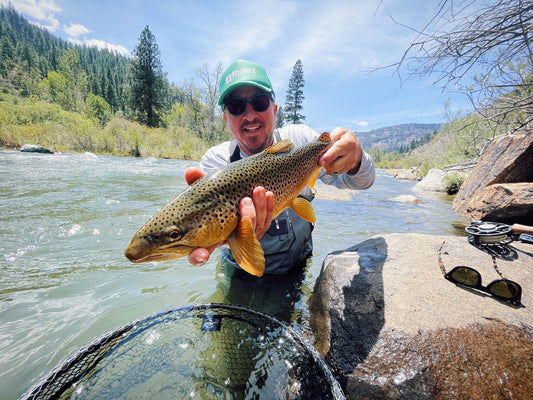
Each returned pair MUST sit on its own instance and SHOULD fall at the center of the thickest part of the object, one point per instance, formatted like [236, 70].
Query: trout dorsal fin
[324, 137]
[281, 147]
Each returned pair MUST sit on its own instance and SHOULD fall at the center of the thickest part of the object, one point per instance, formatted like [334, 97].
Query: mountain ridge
[395, 137]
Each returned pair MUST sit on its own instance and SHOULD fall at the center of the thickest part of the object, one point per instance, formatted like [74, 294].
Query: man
[247, 99]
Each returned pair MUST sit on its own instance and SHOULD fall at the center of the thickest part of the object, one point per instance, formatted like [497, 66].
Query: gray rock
[432, 181]
[390, 326]
[33, 148]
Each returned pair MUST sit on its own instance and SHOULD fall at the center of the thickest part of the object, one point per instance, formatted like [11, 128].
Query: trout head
[180, 227]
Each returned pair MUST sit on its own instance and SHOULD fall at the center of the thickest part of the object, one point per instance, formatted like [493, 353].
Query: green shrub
[453, 181]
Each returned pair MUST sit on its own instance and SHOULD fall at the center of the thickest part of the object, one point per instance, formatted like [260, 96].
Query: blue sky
[338, 42]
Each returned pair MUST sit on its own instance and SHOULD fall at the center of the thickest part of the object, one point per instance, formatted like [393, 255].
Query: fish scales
[207, 212]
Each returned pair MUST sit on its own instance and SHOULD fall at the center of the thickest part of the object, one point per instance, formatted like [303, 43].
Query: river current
[66, 219]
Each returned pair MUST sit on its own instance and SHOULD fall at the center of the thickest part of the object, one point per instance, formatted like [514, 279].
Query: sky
[343, 46]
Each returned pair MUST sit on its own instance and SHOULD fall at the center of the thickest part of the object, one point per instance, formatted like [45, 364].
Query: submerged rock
[33, 148]
[390, 326]
[407, 198]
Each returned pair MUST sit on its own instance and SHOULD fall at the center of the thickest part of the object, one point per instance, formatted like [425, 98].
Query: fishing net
[207, 351]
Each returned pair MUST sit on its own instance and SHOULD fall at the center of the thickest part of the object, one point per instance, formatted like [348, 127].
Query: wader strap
[236, 156]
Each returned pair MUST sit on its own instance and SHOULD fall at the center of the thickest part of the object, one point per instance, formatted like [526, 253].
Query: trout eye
[174, 233]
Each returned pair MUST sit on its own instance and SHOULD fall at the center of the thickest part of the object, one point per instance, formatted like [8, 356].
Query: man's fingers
[200, 256]
[260, 209]
[192, 174]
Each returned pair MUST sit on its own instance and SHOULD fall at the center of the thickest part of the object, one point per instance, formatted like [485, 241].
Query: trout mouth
[154, 257]
[136, 256]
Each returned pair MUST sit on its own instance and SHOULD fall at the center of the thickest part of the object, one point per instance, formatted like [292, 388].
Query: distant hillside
[28, 53]
[397, 137]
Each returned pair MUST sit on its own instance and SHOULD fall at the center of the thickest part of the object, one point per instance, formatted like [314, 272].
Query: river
[65, 220]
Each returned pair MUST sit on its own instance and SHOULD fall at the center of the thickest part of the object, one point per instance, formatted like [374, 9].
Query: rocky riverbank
[390, 326]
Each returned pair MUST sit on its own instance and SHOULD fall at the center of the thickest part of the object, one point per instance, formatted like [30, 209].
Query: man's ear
[225, 119]
[275, 108]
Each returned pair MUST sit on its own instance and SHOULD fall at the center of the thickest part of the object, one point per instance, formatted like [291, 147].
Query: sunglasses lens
[260, 102]
[505, 289]
[465, 276]
[236, 106]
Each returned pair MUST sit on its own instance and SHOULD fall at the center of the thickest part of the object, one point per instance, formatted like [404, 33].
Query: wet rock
[500, 188]
[33, 148]
[390, 326]
[432, 181]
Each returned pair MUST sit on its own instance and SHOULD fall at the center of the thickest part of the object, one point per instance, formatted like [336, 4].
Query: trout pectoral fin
[246, 248]
[304, 209]
[313, 179]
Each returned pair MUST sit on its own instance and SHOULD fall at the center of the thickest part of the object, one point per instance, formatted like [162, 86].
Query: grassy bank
[28, 120]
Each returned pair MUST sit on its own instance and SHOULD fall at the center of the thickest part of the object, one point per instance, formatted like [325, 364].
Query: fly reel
[481, 232]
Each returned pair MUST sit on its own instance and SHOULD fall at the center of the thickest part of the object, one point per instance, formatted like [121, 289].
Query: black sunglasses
[502, 289]
[237, 105]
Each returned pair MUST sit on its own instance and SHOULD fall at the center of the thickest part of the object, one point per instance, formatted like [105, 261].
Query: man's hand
[345, 155]
[260, 209]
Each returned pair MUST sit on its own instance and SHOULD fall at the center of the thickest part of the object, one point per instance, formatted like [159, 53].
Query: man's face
[253, 130]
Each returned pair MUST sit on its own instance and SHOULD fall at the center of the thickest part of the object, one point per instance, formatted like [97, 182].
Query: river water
[66, 219]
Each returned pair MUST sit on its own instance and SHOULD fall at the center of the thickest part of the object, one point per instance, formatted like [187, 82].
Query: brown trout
[207, 212]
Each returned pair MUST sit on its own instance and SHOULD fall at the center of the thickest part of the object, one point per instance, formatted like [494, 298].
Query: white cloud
[100, 44]
[361, 124]
[76, 42]
[75, 30]
[44, 11]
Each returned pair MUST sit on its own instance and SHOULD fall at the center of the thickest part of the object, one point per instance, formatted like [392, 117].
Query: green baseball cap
[242, 73]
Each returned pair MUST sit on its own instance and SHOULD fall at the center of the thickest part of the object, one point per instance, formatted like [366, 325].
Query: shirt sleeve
[216, 157]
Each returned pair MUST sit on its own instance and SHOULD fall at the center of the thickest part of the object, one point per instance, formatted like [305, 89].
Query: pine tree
[280, 118]
[148, 87]
[295, 97]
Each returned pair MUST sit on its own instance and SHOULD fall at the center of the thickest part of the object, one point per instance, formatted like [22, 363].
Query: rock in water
[33, 148]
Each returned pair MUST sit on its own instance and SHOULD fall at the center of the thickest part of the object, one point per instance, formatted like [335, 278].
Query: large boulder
[390, 326]
[433, 181]
[500, 188]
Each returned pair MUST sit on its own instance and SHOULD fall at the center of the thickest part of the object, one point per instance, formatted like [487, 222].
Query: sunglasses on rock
[237, 105]
[502, 289]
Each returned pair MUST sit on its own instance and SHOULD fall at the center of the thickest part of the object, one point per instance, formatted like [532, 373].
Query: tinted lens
[237, 105]
[260, 102]
[465, 276]
[505, 289]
